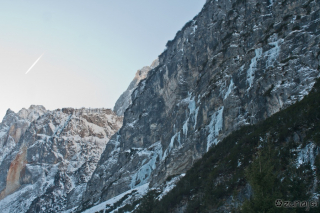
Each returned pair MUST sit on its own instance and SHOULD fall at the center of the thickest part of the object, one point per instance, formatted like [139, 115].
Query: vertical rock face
[14, 125]
[124, 101]
[236, 63]
[47, 157]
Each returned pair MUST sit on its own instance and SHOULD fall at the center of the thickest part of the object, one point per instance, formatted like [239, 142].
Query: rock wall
[236, 63]
[49, 156]
[124, 101]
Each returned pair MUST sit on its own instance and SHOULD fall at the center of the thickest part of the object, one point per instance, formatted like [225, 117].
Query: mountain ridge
[124, 100]
[48, 156]
[236, 63]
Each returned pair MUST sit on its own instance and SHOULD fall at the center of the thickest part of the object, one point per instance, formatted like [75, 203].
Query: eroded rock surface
[236, 63]
[47, 157]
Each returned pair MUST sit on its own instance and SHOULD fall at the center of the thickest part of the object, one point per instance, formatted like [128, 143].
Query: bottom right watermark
[297, 204]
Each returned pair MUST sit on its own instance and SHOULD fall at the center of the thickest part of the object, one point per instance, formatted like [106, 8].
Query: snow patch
[273, 53]
[253, 66]
[185, 127]
[231, 85]
[215, 127]
[171, 145]
[143, 174]
[193, 112]
[194, 27]
[270, 55]
[60, 128]
[132, 124]
[307, 155]
[138, 192]
[170, 185]
[196, 117]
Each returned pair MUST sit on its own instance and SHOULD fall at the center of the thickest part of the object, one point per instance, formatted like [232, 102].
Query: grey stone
[236, 63]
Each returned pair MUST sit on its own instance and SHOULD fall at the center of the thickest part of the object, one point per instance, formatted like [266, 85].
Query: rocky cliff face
[236, 63]
[124, 101]
[47, 157]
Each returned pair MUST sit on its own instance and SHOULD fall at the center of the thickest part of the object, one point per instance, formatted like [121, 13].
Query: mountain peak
[124, 100]
[9, 111]
[37, 107]
[39, 147]
[32, 113]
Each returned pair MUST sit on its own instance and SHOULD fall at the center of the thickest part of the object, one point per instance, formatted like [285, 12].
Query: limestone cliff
[236, 63]
[124, 101]
[47, 157]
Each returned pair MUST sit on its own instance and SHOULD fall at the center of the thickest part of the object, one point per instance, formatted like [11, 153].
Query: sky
[90, 50]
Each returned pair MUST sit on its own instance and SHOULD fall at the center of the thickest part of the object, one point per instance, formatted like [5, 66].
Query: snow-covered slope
[47, 157]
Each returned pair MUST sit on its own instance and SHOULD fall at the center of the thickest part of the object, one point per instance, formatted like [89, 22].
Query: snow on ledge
[141, 190]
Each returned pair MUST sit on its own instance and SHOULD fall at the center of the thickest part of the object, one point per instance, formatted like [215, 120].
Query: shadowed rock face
[124, 101]
[47, 157]
[234, 64]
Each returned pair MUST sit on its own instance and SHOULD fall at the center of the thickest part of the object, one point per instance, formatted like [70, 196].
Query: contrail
[34, 63]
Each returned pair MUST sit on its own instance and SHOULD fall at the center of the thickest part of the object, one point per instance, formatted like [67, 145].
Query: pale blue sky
[92, 49]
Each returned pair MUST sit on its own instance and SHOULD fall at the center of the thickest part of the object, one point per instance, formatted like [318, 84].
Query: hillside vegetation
[253, 167]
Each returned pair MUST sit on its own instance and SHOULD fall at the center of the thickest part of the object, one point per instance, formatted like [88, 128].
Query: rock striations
[47, 157]
[236, 63]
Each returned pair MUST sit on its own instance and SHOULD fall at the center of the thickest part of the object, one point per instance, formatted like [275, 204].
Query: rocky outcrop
[236, 63]
[14, 125]
[124, 101]
[47, 157]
